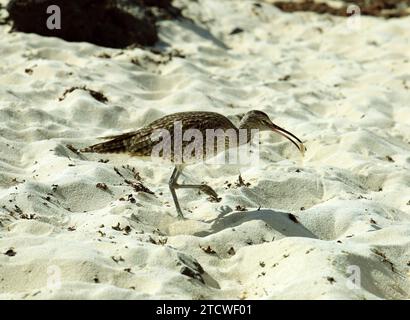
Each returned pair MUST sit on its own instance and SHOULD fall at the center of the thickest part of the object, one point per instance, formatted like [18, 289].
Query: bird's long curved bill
[291, 137]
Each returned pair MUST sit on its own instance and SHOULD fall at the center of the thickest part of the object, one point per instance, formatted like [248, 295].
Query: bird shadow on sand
[285, 223]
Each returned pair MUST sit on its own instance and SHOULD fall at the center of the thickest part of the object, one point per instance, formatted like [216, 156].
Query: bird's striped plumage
[140, 142]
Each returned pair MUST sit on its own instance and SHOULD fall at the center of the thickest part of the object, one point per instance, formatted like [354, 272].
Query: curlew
[141, 142]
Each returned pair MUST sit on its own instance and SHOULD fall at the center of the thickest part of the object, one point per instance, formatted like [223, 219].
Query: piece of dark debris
[72, 228]
[213, 199]
[28, 71]
[302, 208]
[117, 171]
[54, 187]
[241, 182]
[29, 216]
[72, 148]
[102, 186]
[284, 78]
[130, 198]
[384, 258]
[286, 255]
[102, 234]
[174, 53]
[262, 264]
[138, 186]
[331, 279]
[162, 241]
[134, 172]
[104, 55]
[236, 31]
[240, 208]
[117, 259]
[408, 203]
[390, 159]
[17, 209]
[372, 221]
[293, 218]
[128, 270]
[96, 280]
[95, 94]
[158, 232]
[208, 250]
[152, 240]
[10, 252]
[103, 160]
[231, 251]
[309, 250]
[14, 180]
[117, 227]
[127, 230]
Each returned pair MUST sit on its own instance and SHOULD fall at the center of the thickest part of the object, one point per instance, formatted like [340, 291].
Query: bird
[145, 141]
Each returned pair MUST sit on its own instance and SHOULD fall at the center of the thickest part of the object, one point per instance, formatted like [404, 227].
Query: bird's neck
[243, 125]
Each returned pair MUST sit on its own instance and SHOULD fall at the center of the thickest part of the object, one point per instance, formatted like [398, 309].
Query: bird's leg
[172, 186]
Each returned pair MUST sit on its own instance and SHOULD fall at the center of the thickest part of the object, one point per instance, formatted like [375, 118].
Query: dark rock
[109, 23]
[236, 31]
[377, 8]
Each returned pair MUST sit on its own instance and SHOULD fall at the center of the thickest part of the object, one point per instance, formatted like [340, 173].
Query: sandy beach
[334, 224]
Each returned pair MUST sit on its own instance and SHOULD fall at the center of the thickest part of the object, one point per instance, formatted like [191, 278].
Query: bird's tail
[116, 144]
[106, 147]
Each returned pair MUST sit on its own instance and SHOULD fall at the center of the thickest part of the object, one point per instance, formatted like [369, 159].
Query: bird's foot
[210, 192]
[181, 217]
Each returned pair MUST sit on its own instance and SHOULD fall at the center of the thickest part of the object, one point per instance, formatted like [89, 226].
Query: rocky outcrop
[377, 8]
[109, 23]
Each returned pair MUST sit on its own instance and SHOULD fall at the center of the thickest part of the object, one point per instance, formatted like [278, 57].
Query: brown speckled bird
[140, 142]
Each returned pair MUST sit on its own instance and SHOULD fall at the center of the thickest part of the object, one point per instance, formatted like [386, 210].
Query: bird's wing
[120, 143]
[141, 142]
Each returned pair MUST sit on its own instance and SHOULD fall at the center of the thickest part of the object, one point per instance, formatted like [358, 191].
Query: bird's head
[260, 120]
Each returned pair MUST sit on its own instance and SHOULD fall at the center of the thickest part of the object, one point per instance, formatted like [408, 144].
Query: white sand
[347, 97]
